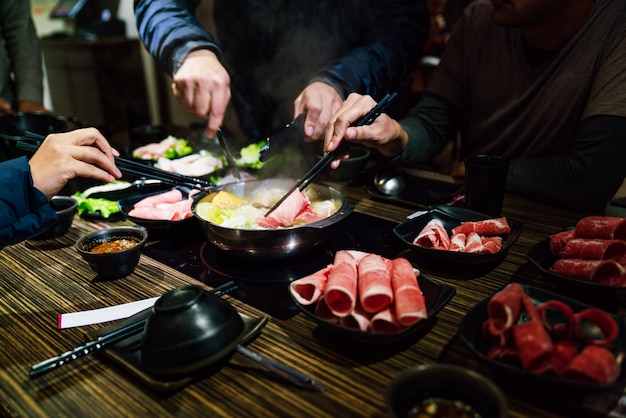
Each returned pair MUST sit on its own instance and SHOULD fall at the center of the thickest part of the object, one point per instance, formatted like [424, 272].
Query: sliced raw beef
[172, 196]
[473, 243]
[593, 365]
[594, 249]
[602, 320]
[487, 227]
[341, 289]
[532, 340]
[409, 303]
[505, 307]
[565, 323]
[358, 319]
[603, 227]
[433, 235]
[385, 322]
[308, 290]
[558, 241]
[457, 242]
[374, 285]
[492, 245]
[599, 271]
[284, 215]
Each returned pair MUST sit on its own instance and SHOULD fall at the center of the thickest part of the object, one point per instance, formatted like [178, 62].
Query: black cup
[485, 181]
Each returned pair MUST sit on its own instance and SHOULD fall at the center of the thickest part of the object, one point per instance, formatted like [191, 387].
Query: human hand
[5, 107]
[64, 156]
[384, 134]
[320, 101]
[31, 106]
[202, 86]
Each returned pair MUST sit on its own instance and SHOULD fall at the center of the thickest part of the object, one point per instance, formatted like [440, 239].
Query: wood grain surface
[41, 279]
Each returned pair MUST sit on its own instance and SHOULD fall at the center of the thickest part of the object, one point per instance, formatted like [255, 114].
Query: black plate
[451, 217]
[470, 332]
[541, 256]
[127, 355]
[436, 297]
[126, 205]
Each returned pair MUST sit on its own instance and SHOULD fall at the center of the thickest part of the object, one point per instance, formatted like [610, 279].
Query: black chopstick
[305, 180]
[131, 167]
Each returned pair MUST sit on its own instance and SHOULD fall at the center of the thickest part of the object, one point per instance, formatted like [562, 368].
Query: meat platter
[450, 217]
[472, 333]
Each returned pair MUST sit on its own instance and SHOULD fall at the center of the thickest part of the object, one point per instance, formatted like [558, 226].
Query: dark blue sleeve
[24, 210]
[169, 30]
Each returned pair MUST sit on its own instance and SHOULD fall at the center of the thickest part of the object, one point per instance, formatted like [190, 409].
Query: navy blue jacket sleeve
[24, 210]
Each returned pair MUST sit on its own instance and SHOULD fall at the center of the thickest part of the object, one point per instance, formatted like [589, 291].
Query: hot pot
[272, 244]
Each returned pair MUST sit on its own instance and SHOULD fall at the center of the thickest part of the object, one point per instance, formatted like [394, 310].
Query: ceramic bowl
[112, 264]
[65, 208]
[189, 329]
[445, 383]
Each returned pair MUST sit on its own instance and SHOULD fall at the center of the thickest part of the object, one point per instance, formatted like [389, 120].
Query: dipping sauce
[115, 245]
[442, 408]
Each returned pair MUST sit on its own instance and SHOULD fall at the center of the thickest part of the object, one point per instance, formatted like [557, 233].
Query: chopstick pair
[305, 180]
[130, 167]
[130, 326]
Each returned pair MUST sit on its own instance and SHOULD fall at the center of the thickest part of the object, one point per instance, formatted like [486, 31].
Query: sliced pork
[296, 204]
[487, 227]
[409, 302]
[433, 235]
[374, 285]
[308, 290]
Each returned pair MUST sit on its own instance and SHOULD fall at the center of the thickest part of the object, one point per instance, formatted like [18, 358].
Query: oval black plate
[542, 258]
[451, 217]
[470, 332]
[436, 297]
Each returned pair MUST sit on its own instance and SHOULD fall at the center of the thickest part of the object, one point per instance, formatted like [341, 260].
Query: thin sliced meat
[558, 241]
[357, 319]
[374, 283]
[563, 328]
[594, 249]
[602, 321]
[341, 289]
[385, 322]
[532, 340]
[487, 227]
[473, 243]
[505, 307]
[323, 311]
[457, 242]
[593, 365]
[600, 271]
[563, 353]
[409, 303]
[171, 196]
[285, 214]
[603, 227]
[308, 290]
[491, 245]
[433, 235]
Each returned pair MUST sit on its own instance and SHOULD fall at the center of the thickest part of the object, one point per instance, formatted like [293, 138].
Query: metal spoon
[390, 184]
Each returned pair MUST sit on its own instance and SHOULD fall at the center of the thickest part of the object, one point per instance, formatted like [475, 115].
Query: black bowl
[116, 264]
[65, 208]
[189, 329]
[444, 381]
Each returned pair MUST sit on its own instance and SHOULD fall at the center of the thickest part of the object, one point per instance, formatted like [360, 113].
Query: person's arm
[23, 47]
[584, 179]
[170, 31]
[398, 33]
[24, 210]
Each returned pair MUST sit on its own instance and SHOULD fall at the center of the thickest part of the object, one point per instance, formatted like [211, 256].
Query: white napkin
[97, 316]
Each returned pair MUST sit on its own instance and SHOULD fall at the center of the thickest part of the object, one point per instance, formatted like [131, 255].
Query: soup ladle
[390, 184]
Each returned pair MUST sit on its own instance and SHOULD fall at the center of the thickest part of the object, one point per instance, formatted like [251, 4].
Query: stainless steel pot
[278, 243]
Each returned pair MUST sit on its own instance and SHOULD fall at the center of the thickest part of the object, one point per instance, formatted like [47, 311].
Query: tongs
[310, 175]
[32, 141]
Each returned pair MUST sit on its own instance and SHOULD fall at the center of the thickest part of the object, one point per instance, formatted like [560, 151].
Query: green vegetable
[104, 206]
[180, 149]
[250, 156]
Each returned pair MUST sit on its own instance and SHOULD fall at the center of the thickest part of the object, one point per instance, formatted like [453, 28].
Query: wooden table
[40, 279]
